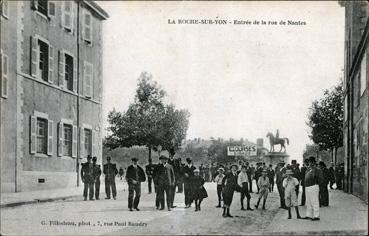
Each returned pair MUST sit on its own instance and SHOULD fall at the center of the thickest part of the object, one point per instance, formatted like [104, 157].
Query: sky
[235, 80]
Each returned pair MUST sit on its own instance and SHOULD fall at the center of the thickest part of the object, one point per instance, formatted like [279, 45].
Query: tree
[325, 120]
[148, 121]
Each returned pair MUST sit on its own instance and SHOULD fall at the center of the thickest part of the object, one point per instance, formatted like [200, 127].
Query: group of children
[237, 181]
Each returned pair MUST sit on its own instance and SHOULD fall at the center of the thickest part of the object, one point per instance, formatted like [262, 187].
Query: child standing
[219, 180]
[230, 185]
[199, 192]
[243, 182]
[263, 184]
[289, 185]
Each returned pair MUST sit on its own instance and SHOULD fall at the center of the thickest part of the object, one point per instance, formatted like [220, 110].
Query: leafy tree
[325, 120]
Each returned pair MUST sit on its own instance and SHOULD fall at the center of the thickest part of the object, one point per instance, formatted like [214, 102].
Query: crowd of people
[170, 174]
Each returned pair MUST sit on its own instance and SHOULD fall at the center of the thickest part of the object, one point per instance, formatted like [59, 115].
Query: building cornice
[97, 9]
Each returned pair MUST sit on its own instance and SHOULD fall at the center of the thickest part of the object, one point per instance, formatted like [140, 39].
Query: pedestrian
[230, 185]
[87, 176]
[243, 182]
[219, 180]
[339, 175]
[252, 171]
[249, 175]
[134, 176]
[97, 174]
[179, 177]
[332, 179]
[289, 185]
[303, 172]
[296, 174]
[258, 173]
[199, 192]
[149, 168]
[280, 175]
[176, 170]
[121, 173]
[263, 184]
[188, 173]
[166, 181]
[323, 186]
[313, 177]
[271, 175]
[110, 171]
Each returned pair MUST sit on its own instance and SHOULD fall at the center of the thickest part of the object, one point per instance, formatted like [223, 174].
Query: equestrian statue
[276, 140]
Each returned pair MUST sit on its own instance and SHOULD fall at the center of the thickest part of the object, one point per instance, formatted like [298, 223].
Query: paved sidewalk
[346, 214]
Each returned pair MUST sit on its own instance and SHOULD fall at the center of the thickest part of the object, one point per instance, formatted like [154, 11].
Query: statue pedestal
[276, 157]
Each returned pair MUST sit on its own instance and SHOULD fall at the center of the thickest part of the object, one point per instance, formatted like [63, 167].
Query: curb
[34, 201]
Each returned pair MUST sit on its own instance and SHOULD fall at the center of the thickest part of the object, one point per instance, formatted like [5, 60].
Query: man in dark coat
[303, 173]
[97, 174]
[87, 176]
[230, 185]
[323, 185]
[149, 173]
[271, 175]
[332, 179]
[258, 171]
[280, 176]
[188, 174]
[166, 180]
[110, 171]
[179, 176]
[135, 175]
[339, 175]
[176, 168]
[296, 174]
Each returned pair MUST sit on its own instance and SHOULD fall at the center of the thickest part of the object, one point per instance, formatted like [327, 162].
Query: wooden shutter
[93, 148]
[67, 15]
[34, 56]
[5, 8]
[61, 68]
[51, 64]
[82, 147]
[34, 4]
[88, 74]
[4, 75]
[75, 78]
[74, 144]
[33, 124]
[60, 138]
[87, 26]
[50, 9]
[50, 138]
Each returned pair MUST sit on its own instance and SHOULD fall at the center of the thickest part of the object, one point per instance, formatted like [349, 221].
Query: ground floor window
[41, 136]
[68, 141]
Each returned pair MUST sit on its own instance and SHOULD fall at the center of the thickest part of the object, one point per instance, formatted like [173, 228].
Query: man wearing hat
[303, 172]
[149, 173]
[188, 174]
[87, 176]
[313, 178]
[135, 175]
[97, 174]
[165, 182]
[176, 167]
[280, 175]
[110, 171]
[230, 185]
[219, 180]
[289, 185]
[263, 184]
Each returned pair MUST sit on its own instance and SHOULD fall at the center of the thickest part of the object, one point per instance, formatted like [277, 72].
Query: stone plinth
[276, 157]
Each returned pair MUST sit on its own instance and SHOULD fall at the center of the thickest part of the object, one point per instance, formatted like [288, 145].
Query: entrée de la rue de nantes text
[236, 22]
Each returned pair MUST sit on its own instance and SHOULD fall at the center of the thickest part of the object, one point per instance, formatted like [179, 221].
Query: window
[41, 134]
[42, 7]
[88, 78]
[4, 70]
[87, 26]
[69, 72]
[68, 142]
[363, 69]
[67, 15]
[87, 142]
[67, 138]
[4, 8]
[42, 59]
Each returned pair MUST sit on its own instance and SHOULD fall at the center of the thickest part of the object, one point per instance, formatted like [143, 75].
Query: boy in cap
[219, 180]
[243, 182]
[289, 185]
[263, 184]
[135, 175]
[230, 185]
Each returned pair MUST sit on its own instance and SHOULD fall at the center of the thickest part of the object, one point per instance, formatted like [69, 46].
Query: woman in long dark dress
[323, 186]
[199, 192]
[230, 185]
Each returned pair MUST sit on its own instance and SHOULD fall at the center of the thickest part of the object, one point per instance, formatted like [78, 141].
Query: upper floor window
[67, 71]
[88, 79]
[87, 26]
[42, 59]
[4, 71]
[4, 8]
[67, 15]
[44, 7]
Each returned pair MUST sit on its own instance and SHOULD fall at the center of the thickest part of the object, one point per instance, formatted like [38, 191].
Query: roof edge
[94, 6]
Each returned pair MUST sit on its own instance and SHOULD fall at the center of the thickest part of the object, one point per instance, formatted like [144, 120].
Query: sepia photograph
[184, 117]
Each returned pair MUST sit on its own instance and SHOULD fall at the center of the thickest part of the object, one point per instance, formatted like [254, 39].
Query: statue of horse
[275, 141]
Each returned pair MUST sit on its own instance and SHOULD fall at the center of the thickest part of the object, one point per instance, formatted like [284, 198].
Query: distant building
[356, 99]
[51, 91]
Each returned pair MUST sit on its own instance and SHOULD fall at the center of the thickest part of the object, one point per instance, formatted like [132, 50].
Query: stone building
[51, 91]
[356, 99]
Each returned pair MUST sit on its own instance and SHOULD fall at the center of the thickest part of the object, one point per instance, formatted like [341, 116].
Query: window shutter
[4, 76]
[74, 144]
[93, 151]
[50, 138]
[88, 74]
[61, 68]
[33, 124]
[5, 8]
[75, 78]
[67, 15]
[82, 147]
[51, 9]
[34, 56]
[60, 139]
[34, 4]
[87, 26]
[51, 63]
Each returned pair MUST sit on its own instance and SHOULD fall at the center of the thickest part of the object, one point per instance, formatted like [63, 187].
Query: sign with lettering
[246, 150]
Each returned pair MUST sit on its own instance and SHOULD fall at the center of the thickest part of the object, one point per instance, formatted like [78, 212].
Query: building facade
[51, 92]
[356, 98]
